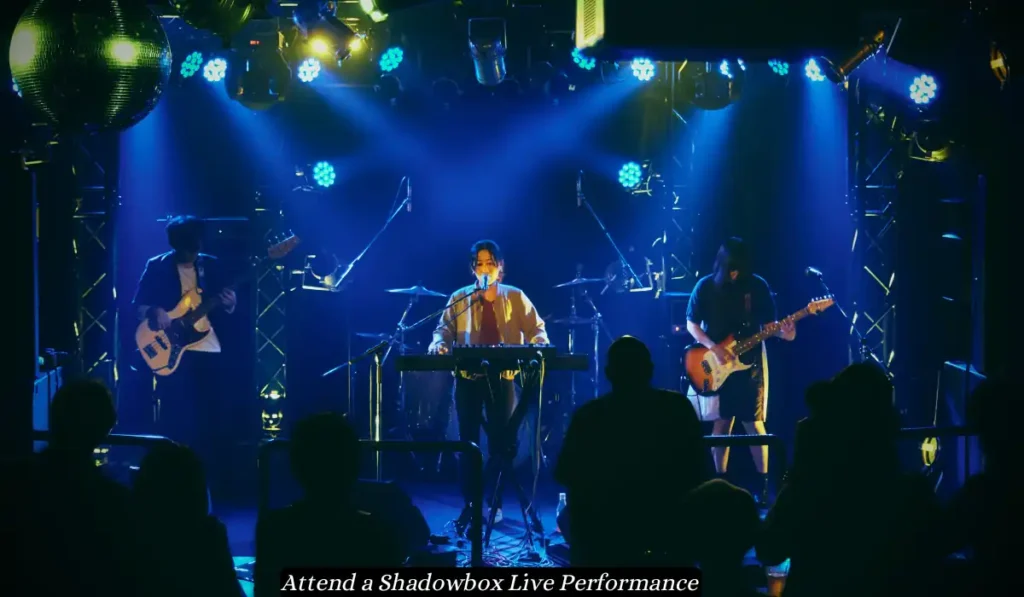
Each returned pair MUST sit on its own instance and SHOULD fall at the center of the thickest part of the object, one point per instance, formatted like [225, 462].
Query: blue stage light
[309, 70]
[630, 174]
[813, 71]
[323, 174]
[215, 70]
[779, 67]
[923, 89]
[584, 62]
[191, 64]
[390, 59]
[643, 68]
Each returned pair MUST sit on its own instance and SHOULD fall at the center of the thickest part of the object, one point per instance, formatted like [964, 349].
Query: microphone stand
[582, 200]
[391, 217]
[864, 351]
[597, 327]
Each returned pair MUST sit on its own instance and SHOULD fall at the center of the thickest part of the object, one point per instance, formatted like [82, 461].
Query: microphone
[815, 272]
[579, 189]
[408, 195]
[486, 282]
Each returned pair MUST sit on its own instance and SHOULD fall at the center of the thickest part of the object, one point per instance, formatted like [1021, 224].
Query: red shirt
[489, 333]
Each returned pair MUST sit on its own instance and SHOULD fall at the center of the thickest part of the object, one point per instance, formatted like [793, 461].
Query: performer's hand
[723, 354]
[437, 348]
[228, 298]
[787, 329]
[159, 319]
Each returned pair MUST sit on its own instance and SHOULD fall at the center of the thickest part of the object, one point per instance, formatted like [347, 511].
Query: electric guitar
[707, 375]
[162, 349]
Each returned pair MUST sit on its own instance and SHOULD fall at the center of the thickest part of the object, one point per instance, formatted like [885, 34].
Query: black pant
[194, 409]
[496, 398]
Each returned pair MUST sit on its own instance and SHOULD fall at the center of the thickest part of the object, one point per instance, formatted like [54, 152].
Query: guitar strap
[200, 275]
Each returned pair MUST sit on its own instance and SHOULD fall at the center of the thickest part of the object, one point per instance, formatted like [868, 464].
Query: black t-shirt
[739, 308]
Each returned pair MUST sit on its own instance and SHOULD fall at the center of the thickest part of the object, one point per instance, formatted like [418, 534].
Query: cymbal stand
[597, 326]
[581, 200]
[572, 350]
[399, 337]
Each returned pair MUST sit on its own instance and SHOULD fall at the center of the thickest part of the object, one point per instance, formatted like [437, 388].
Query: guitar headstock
[282, 244]
[820, 304]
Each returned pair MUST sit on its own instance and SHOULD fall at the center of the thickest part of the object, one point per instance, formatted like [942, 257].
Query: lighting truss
[272, 287]
[96, 320]
[875, 167]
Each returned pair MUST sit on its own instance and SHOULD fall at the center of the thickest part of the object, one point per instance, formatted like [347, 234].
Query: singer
[734, 300]
[487, 312]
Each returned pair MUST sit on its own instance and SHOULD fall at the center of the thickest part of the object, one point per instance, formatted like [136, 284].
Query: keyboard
[475, 358]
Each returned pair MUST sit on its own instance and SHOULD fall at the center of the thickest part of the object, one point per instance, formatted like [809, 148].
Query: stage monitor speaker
[702, 31]
[953, 458]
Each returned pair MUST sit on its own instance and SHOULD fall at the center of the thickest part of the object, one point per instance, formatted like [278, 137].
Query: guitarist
[187, 401]
[733, 300]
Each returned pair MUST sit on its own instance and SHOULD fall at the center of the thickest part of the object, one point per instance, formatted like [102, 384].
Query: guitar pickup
[707, 368]
[160, 341]
[150, 351]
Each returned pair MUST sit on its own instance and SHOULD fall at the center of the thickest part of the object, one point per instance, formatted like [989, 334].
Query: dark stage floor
[440, 503]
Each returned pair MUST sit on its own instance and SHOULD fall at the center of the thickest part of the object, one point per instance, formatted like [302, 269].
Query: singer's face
[486, 266]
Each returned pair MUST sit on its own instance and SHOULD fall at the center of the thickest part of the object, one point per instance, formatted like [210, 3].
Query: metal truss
[272, 287]
[95, 206]
[875, 167]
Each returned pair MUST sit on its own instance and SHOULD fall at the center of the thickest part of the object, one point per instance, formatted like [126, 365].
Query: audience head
[81, 416]
[325, 454]
[171, 482]
[721, 503]
[991, 411]
[629, 363]
[864, 394]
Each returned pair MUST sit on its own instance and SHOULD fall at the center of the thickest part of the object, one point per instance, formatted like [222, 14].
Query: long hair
[732, 256]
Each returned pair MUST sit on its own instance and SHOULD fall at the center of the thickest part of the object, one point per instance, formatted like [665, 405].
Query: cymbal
[416, 291]
[574, 320]
[579, 281]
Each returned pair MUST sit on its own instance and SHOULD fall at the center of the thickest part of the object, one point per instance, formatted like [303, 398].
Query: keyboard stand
[503, 461]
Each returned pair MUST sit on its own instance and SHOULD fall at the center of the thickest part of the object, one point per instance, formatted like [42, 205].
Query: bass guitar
[162, 349]
[707, 375]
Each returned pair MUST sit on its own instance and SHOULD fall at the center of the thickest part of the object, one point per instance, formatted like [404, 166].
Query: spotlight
[711, 85]
[323, 174]
[837, 73]
[779, 67]
[584, 62]
[813, 71]
[321, 273]
[487, 45]
[923, 89]
[391, 59]
[215, 70]
[191, 64]
[630, 175]
[643, 68]
[389, 87]
[930, 141]
[15, 88]
[309, 70]
[325, 33]
[373, 11]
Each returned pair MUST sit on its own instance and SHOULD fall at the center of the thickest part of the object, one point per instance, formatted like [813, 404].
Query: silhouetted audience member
[628, 461]
[985, 515]
[71, 524]
[327, 527]
[724, 519]
[185, 549]
[850, 521]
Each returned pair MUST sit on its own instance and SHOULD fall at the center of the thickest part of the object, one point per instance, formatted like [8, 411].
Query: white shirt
[187, 275]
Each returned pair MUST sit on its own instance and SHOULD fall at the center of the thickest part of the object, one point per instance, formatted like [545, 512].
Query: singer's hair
[491, 247]
[185, 233]
[732, 256]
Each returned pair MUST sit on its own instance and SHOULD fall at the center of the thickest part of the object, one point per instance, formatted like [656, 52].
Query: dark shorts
[742, 396]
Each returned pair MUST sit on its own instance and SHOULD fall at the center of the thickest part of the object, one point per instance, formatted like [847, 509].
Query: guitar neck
[767, 331]
[210, 304]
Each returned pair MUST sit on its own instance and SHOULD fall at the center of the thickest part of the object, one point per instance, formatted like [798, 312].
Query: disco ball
[90, 65]
[224, 18]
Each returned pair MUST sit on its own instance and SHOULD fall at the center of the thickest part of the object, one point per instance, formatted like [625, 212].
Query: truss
[271, 348]
[95, 258]
[875, 167]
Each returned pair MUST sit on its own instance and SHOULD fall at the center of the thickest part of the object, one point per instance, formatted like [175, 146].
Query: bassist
[187, 403]
[733, 300]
